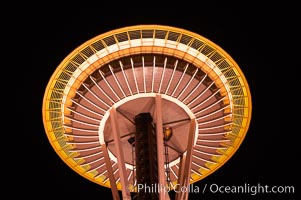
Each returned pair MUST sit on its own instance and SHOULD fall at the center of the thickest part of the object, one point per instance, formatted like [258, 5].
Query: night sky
[262, 45]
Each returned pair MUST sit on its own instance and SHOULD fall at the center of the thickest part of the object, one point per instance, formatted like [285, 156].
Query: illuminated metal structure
[194, 92]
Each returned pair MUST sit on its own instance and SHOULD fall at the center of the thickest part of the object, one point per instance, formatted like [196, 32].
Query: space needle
[146, 106]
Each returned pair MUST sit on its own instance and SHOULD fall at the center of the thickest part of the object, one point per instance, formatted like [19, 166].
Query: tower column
[114, 189]
[185, 164]
[160, 149]
[120, 157]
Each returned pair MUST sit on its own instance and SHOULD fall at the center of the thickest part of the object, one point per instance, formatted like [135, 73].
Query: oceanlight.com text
[248, 189]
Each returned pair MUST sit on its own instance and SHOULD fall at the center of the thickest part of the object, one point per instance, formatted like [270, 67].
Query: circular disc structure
[126, 69]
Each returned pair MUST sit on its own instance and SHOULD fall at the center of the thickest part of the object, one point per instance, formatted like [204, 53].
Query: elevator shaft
[146, 157]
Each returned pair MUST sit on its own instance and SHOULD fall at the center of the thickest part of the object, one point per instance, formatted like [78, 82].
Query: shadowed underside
[126, 69]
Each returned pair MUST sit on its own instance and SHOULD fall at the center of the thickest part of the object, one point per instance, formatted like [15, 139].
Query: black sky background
[263, 45]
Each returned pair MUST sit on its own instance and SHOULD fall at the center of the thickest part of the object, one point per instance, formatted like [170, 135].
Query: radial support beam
[114, 190]
[185, 165]
[119, 153]
[160, 148]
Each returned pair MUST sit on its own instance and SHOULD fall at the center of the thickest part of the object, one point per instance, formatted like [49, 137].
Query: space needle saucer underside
[126, 69]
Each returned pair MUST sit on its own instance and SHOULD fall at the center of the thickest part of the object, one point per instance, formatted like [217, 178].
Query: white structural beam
[120, 157]
[160, 148]
[185, 165]
[110, 172]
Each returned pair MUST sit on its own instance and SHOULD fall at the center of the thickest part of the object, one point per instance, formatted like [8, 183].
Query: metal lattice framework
[127, 69]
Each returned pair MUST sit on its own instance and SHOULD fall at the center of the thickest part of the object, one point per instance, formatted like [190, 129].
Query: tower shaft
[146, 157]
